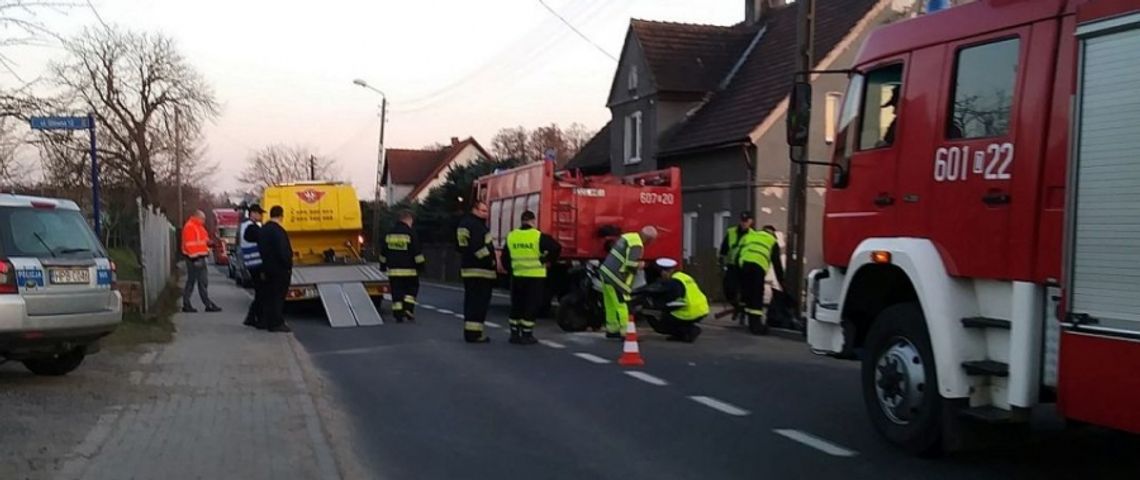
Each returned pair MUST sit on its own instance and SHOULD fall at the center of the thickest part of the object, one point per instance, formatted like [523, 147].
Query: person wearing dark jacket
[525, 256]
[251, 259]
[475, 245]
[403, 258]
[729, 253]
[276, 269]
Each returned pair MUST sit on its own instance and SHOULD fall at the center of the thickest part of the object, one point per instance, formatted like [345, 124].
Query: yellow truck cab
[323, 221]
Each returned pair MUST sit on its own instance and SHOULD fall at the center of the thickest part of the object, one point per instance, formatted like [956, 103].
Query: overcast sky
[283, 70]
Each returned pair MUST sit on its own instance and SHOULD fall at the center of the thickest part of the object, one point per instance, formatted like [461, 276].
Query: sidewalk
[225, 402]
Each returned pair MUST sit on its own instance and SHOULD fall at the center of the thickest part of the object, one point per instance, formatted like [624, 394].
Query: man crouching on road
[680, 300]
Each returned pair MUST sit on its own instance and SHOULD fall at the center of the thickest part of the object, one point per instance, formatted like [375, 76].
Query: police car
[57, 295]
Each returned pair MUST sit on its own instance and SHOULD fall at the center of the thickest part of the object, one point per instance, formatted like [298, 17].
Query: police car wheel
[900, 381]
[58, 365]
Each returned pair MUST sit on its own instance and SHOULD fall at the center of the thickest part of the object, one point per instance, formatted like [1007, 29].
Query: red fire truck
[583, 213]
[982, 227]
[224, 234]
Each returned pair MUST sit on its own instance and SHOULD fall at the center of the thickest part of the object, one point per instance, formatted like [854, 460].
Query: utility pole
[178, 160]
[312, 167]
[797, 195]
[380, 183]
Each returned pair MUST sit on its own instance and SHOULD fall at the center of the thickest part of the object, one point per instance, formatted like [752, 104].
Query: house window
[983, 91]
[689, 236]
[632, 80]
[633, 138]
[720, 226]
[881, 101]
[831, 115]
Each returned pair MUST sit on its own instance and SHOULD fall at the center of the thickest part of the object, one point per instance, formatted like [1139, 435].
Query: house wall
[400, 192]
[467, 156]
[672, 113]
[623, 102]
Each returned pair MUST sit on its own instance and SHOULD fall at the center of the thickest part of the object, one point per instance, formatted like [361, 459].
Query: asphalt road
[426, 405]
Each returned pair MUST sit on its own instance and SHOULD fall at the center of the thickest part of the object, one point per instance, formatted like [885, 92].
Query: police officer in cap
[248, 235]
[684, 303]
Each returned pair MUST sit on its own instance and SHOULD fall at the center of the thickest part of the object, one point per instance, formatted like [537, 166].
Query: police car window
[984, 81]
[881, 98]
[30, 232]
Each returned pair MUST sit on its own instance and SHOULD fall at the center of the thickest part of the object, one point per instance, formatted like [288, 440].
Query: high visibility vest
[526, 256]
[621, 264]
[696, 303]
[250, 255]
[733, 238]
[195, 240]
[756, 248]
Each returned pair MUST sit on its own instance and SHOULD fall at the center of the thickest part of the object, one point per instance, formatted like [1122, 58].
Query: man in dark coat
[276, 268]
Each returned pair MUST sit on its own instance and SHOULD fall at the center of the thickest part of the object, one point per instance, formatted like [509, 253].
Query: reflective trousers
[617, 311]
[404, 291]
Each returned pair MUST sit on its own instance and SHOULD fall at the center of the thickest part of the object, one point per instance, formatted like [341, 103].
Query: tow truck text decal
[955, 164]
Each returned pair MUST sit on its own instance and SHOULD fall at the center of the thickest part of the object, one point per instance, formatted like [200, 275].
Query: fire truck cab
[982, 222]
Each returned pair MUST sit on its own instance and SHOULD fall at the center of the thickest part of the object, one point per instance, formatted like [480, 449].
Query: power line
[579, 32]
[98, 16]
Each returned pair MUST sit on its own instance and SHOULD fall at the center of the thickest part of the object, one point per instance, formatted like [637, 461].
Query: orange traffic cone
[630, 352]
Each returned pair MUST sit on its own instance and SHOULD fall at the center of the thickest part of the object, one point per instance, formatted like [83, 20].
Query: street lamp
[379, 165]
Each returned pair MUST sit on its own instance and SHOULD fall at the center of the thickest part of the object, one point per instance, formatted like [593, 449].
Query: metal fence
[156, 252]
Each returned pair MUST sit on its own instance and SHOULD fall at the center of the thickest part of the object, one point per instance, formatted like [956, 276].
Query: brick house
[411, 174]
[711, 100]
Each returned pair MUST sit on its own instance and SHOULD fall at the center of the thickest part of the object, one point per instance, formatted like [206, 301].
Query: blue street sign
[60, 123]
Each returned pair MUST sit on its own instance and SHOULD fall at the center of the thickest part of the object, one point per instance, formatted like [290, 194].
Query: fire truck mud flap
[348, 305]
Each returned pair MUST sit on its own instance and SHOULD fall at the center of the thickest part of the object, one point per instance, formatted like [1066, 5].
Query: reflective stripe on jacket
[756, 248]
[526, 254]
[696, 304]
[622, 262]
[250, 255]
[195, 240]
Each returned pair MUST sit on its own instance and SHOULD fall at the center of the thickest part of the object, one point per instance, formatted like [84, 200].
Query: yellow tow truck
[323, 221]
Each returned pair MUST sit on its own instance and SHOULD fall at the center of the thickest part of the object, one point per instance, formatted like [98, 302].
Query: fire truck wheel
[900, 382]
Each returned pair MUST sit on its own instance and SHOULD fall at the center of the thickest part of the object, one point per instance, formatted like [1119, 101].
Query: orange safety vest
[195, 240]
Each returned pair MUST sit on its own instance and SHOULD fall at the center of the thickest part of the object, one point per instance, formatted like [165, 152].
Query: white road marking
[460, 289]
[719, 405]
[429, 307]
[816, 442]
[647, 378]
[446, 311]
[589, 357]
[459, 316]
[493, 325]
[554, 345]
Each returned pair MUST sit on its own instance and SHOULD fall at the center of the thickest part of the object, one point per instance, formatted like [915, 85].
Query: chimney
[756, 10]
[454, 141]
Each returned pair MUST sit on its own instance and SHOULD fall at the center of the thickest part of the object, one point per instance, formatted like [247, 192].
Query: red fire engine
[584, 212]
[982, 227]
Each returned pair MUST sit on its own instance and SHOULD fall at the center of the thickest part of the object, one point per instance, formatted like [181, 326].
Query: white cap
[666, 263]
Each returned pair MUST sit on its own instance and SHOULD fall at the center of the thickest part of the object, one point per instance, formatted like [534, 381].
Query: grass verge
[158, 327]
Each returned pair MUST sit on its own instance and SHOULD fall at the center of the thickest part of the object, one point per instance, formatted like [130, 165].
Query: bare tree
[577, 136]
[510, 143]
[544, 139]
[140, 89]
[280, 164]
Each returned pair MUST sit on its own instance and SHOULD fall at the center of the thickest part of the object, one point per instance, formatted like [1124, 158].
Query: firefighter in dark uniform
[402, 257]
[473, 240]
[526, 254]
[729, 257]
[759, 252]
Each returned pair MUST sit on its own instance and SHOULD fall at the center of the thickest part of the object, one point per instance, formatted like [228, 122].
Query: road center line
[815, 442]
[554, 345]
[493, 325]
[719, 405]
[589, 357]
[429, 307]
[446, 311]
[459, 316]
[647, 378]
